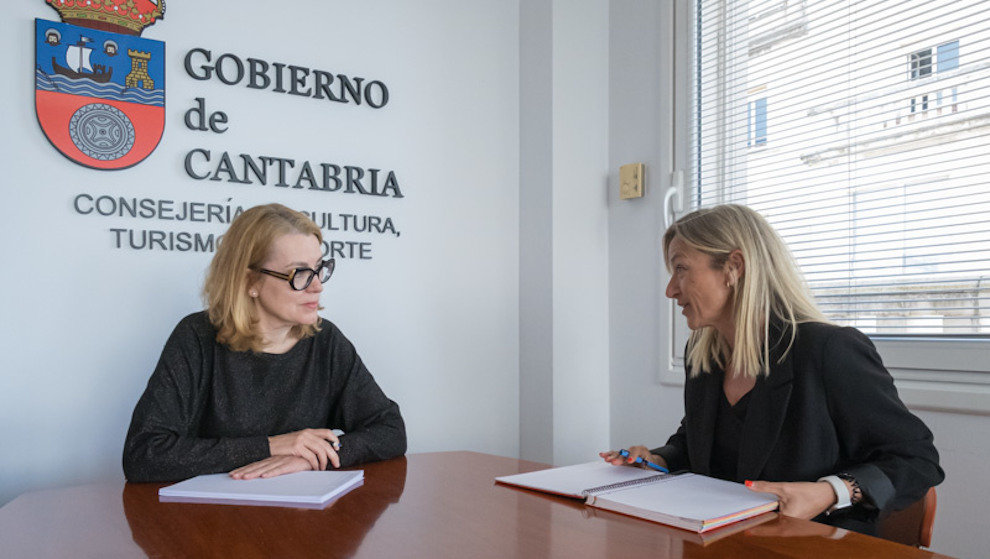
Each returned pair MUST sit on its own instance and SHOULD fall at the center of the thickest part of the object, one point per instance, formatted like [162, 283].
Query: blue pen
[639, 460]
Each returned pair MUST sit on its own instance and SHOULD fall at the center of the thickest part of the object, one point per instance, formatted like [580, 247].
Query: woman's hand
[616, 459]
[800, 499]
[317, 446]
[271, 467]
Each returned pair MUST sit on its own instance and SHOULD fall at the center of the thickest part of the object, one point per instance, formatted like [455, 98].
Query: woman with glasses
[258, 384]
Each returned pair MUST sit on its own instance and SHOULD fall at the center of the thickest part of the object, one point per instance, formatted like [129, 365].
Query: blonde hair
[771, 287]
[244, 248]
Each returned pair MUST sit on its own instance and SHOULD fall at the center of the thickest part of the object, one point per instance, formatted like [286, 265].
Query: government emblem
[99, 86]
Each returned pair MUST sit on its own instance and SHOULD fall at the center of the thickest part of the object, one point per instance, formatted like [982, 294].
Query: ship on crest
[77, 60]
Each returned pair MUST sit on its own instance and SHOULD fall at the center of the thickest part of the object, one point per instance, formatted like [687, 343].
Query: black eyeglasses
[300, 278]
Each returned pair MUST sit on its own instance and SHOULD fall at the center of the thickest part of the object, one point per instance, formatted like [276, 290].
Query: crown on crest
[129, 17]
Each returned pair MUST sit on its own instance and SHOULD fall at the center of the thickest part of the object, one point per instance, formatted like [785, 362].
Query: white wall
[564, 230]
[580, 229]
[536, 145]
[643, 411]
[434, 313]
[962, 442]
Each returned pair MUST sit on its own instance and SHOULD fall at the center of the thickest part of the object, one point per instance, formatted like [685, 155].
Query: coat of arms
[100, 87]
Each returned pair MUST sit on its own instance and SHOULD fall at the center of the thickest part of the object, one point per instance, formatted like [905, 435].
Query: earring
[254, 293]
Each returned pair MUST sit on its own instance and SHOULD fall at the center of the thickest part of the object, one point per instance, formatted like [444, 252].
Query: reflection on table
[443, 504]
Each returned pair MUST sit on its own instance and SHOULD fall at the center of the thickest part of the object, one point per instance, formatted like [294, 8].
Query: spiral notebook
[684, 500]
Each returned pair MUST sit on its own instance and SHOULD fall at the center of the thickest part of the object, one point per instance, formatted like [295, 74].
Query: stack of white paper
[301, 489]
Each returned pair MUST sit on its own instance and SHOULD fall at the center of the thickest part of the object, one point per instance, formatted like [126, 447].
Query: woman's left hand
[272, 466]
[800, 499]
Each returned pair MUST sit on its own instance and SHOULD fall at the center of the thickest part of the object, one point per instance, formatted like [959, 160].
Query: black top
[208, 409]
[728, 436]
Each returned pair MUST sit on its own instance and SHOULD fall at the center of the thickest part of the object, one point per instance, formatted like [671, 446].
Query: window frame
[937, 373]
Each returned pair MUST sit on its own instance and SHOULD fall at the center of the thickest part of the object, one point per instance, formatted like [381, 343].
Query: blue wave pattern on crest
[83, 86]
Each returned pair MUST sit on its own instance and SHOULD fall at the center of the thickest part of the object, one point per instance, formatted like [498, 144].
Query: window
[879, 184]
[948, 56]
[889, 224]
[756, 125]
[921, 64]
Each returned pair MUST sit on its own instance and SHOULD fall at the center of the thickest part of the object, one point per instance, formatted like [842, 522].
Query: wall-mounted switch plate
[631, 181]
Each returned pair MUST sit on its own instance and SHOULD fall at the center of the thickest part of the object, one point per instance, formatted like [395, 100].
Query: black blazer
[829, 407]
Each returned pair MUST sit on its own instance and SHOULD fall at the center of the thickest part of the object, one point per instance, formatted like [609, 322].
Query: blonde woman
[258, 383]
[776, 396]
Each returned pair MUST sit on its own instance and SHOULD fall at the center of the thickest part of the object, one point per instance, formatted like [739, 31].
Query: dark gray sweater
[208, 409]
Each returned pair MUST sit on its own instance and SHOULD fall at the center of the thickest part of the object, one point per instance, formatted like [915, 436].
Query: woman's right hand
[613, 457]
[316, 446]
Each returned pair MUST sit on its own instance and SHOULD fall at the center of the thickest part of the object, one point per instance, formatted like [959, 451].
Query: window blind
[861, 131]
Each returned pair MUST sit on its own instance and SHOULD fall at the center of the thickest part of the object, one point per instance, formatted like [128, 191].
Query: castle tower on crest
[138, 77]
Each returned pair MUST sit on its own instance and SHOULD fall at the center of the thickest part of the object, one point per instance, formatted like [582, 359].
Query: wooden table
[443, 504]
